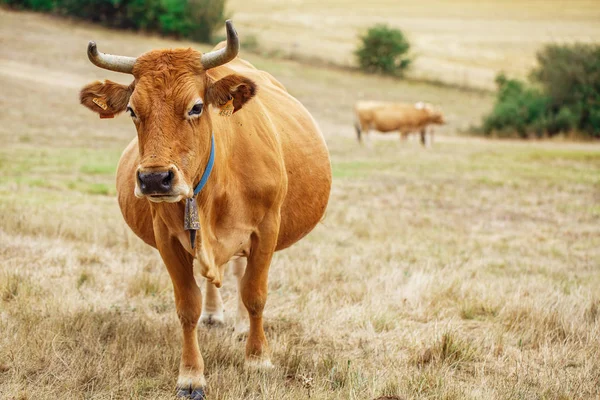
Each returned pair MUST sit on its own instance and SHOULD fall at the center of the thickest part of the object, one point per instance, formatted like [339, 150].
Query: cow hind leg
[424, 137]
[254, 289]
[241, 319]
[212, 310]
[358, 132]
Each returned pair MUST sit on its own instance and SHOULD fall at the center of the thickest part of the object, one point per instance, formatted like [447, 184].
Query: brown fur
[395, 117]
[269, 186]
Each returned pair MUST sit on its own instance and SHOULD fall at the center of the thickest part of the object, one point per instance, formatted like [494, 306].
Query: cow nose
[156, 182]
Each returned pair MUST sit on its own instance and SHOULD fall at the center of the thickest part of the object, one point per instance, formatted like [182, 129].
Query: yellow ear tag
[100, 103]
[227, 108]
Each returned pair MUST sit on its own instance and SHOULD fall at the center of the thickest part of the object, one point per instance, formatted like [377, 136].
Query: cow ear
[106, 98]
[232, 87]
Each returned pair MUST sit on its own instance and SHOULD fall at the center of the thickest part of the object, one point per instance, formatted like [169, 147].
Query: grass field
[467, 270]
[463, 42]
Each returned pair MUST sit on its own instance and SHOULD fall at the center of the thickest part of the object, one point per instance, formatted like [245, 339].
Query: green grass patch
[83, 170]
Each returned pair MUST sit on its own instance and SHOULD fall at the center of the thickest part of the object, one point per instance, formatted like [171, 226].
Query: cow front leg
[254, 290]
[188, 301]
[424, 137]
[212, 310]
[241, 319]
[368, 141]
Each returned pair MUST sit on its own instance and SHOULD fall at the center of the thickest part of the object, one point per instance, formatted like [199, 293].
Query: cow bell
[191, 221]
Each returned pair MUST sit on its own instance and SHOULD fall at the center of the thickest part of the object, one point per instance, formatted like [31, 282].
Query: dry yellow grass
[463, 42]
[468, 270]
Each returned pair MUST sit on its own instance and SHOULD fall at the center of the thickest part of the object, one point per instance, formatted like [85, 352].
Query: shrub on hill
[563, 95]
[383, 50]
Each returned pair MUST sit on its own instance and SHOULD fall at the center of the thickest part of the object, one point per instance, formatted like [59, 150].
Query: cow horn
[108, 61]
[226, 54]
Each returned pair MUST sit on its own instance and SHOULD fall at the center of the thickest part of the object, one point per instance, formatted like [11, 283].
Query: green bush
[36, 5]
[570, 76]
[564, 95]
[192, 19]
[174, 18]
[145, 14]
[207, 16]
[383, 50]
[518, 108]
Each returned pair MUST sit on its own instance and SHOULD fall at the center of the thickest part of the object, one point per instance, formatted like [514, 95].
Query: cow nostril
[168, 179]
[141, 180]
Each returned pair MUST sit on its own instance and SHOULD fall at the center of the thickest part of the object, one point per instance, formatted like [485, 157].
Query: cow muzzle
[160, 184]
[156, 183]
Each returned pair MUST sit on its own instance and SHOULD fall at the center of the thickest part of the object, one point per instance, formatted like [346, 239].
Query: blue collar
[209, 167]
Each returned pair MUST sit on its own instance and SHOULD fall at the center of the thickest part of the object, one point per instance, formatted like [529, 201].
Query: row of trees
[192, 19]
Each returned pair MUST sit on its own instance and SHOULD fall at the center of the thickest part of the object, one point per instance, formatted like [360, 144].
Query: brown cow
[252, 150]
[390, 117]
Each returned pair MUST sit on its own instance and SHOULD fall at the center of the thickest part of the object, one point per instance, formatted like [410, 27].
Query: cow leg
[423, 137]
[188, 301]
[241, 318]
[403, 136]
[254, 289]
[212, 310]
[368, 137]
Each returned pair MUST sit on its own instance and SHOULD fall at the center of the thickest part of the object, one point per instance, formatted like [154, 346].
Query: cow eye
[130, 111]
[196, 110]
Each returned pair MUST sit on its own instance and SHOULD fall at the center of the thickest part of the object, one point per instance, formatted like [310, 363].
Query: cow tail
[358, 132]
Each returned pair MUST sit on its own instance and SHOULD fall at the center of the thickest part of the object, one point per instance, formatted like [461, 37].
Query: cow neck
[191, 219]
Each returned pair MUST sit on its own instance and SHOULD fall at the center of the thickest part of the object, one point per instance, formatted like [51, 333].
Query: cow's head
[434, 115]
[168, 102]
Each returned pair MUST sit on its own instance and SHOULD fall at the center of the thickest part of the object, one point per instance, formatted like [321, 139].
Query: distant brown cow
[389, 117]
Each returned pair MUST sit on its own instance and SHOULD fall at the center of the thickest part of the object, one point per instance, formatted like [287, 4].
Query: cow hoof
[215, 320]
[190, 393]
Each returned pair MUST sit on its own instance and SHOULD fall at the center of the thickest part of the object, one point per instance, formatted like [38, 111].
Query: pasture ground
[467, 270]
[461, 42]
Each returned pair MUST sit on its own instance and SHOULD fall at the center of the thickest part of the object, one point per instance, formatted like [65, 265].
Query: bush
[564, 96]
[383, 50]
[570, 76]
[192, 19]
[518, 109]
[206, 17]
[36, 5]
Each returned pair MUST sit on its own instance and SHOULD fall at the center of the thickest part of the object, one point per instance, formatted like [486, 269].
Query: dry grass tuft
[449, 350]
[145, 284]
[85, 278]
[13, 286]
[593, 311]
